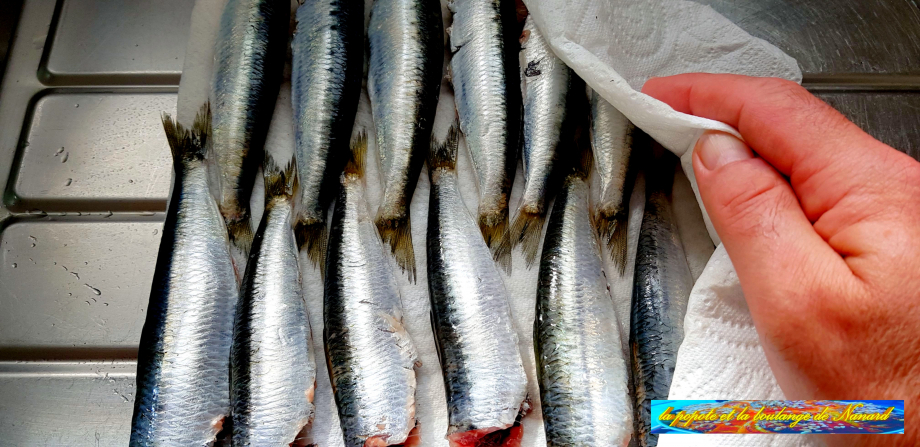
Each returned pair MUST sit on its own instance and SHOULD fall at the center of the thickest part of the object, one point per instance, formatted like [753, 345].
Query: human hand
[823, 228]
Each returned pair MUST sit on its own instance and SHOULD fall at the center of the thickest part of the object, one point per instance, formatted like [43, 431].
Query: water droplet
[69, 181]
[87, 302]
[66, 156]
[95, 290]
[15, 265]
[106, 304]
[59, 151]
[70, 294]
[110, 214]
[130, 181]
[75, 274]
[76, 106]
[155, 232]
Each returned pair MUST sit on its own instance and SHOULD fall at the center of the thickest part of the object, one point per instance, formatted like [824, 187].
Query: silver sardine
[487, 88]
[484, 375]
[612, 140]
[183, 364]
[662, 288]
[406, 40]
[272, 370]
[370, 355]
[547, 85]
[327, 66]
[248, 67]
[581, 366]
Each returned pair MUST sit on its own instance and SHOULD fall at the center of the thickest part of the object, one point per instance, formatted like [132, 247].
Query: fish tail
[279, 181]
[443, 155]
[240, 231]
[311, 236]
[397, 232]
[526, 230]
[613, 228]
[354, 166]
[502, 254]
[188, 144]
[494, 228]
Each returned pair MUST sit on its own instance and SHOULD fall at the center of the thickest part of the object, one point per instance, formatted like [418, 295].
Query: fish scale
[273, 371]
[548, 87]
[581, 366]
[406, 41]
[662, 285]
[477, 345]
[326, 70]
[370, 356]
[183, 383]
[487, 89]
[248, 68]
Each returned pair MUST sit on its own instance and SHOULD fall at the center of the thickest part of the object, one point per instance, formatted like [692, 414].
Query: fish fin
[494, 228]
[398, 234]
[312, 236]
[188, 144]
[526, 230]
[354, 166]
[614, 230]
[443, 155]
[502, 255]
[279, 181]
[240, 231]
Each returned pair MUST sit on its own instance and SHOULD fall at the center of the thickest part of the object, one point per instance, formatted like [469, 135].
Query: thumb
[757, 215]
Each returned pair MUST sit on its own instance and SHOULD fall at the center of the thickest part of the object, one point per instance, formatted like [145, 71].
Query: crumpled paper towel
[617, 45]
[637, 39]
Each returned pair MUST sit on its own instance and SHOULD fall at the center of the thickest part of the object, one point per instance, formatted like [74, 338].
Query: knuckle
[754, 208]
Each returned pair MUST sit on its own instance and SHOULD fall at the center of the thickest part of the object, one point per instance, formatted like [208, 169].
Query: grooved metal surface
[92, 76]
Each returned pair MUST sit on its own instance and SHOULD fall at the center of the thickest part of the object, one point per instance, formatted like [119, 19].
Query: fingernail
[717, 149]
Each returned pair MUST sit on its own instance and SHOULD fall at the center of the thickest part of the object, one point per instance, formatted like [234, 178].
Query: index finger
[801, 136]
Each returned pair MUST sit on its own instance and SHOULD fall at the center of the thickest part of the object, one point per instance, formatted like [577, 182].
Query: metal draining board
[86, 170]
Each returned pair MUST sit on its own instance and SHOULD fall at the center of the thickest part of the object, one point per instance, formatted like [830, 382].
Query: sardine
[272, 369]
[183, 364]
[662, 288]
[477, 345]
[327, 67]
[487, 88]
[612, 140]
[406, 40]
[370, 355]
[548, 87]
[248, 67]
[581, 366]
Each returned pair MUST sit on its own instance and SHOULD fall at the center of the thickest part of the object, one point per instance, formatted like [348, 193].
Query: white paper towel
[615, 45]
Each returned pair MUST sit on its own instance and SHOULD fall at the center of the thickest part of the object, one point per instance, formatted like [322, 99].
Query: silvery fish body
[370, 355]
[273, 372]
[612, 141]
[248, 65]
[662, 288]
[183, 383]
[477, 344]
[580, 363]
[546, 86]
[406, 41]
[487, 89]
[327, 64]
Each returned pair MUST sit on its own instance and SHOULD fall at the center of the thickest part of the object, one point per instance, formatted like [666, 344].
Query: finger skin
[823, 229]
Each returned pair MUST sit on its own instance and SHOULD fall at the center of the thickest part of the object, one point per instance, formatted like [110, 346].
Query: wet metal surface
[842, 38]
[70, 229]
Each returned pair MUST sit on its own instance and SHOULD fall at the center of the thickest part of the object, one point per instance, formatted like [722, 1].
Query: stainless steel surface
[893, 117]
[835, 38]
[93, 151]
[67, 367]
[117, 42]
